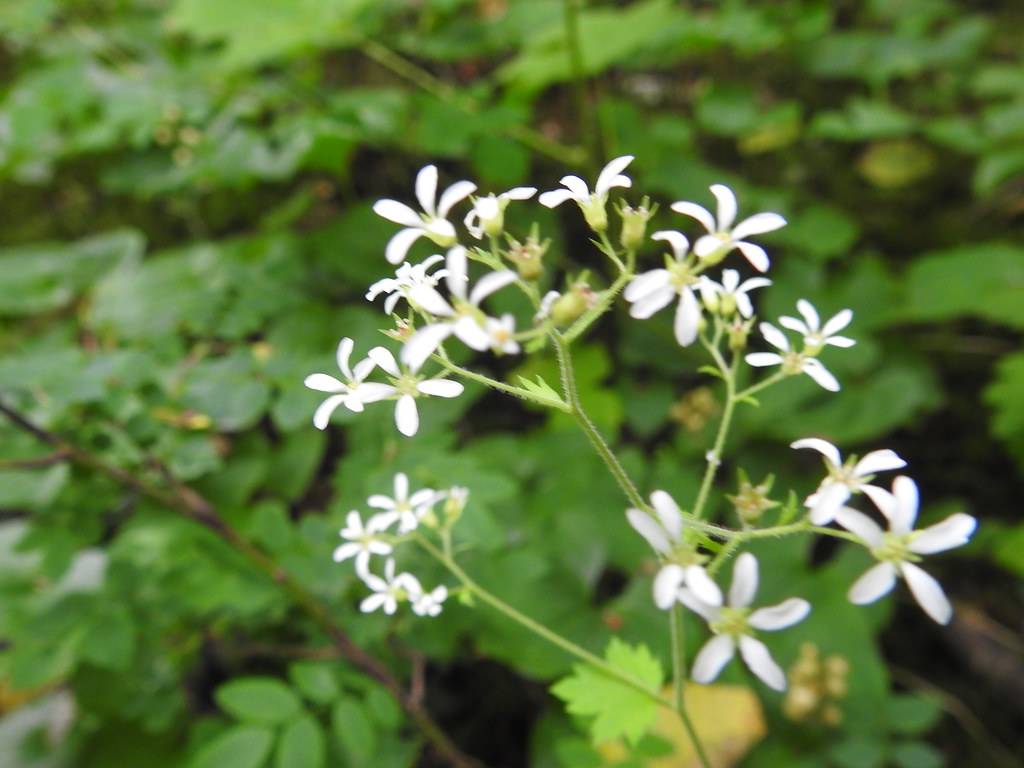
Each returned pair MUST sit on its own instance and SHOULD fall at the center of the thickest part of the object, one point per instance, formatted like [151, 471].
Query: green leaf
[858, 752]
[258, 700]
[616, 708]
[353, 730]
[243, 746]
[916, 754]
[542, 391]
[302, 744]
[912, 714]
[315, 681]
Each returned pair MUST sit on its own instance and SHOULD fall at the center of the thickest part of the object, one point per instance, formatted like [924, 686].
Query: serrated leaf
[258, 700]
[543, 392]
[617, 709]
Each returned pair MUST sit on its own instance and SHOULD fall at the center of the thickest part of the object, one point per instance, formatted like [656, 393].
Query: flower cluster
[404, 512]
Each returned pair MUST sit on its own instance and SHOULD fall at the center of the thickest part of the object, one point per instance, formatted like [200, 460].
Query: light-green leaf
[315, 681]
[616, 708]
[258, 700]
[302, 744]
[244, 746]
[542, 392]
[353, 730]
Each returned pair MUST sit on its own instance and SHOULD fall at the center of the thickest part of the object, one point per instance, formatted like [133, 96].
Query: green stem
[679, 681]
[753, 389]
[501, 386]
[714, 458]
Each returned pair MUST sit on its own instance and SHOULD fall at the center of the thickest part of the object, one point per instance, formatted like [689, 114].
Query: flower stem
[487, 381]
[679, 681]
[715, 456]
[753, 389]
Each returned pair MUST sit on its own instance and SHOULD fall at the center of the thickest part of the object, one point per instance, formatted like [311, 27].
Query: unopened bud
[739, 332]
[751, 502]
[455, 504]
[634, 224]
[595, 213]
[572, 305]
[528, 256]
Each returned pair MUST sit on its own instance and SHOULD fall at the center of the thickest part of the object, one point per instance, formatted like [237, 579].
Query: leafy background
[186, 233]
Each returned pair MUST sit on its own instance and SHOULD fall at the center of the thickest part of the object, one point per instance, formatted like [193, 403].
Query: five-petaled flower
[407, 386]
[431, 222]
[407, 278]
[430, 603]
[722, 236]
[816, 336]
[654, 290]
[487, 217]
[354, 392]
[682, 564]
[730, 295]
[792, 362]
[362, 541]
[591, 203]
[408, 510]
[733, 626]
[390, 590]
[845, 478]
[901, 546]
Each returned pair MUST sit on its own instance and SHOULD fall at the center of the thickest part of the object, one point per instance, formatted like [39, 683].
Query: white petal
[785, 614]
[828, 500]
[840, 341]
[423, 343]
[469, 332]
[703, 586]
[726, 206]
[743, 304]
[429, 300]
[758, 224]
[407, 418]
[860, 525]
[757, 658]
[882, 499]
[426, 188]
[708, 612]
[752, 283]
[687, 320]
[698, 212]
[520, 193]
[837, 323]
[380, 501]
[878, 461]
[795, 325]
[343, 354]
[397, 212]
[440, 388]
[457, 265]
[400, 243]
[755, 254]
[610, 175]
[372, 392]
[716, 653]
[373, 602]
[821, 375]
[489, 283]
[322, 382]
[809, 314]
[362, 369]
[653, 533]
[744, 581]
[824, 447]
[709, 244]
[645, 283]
[904, 490]
[454, 195]
[677, 242]
[345, 551]
[653, 302]
[952, 532]
[577, 186]
[668, 513]
[322, 415]
[928, 593]
[554, 198]
[774, 336]
[401, 486]
[384, 360]
[873, 584]
[762, 359]
[666, 585]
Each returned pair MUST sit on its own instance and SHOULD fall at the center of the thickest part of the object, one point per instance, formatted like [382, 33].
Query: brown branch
[192, 505]
[34, 462]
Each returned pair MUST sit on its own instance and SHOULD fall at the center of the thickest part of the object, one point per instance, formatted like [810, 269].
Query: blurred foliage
[186, 233]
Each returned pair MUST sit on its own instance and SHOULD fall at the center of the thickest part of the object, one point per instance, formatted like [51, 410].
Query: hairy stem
[714, 458]
[679, 681]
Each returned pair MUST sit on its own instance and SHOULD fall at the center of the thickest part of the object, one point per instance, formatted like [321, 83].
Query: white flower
[488, 213]
[431, 222]
[845, 479]
[591, 203]
[354, 392]
[387, 592]
[730, 295]
[362, 541]
[792, 362]
[502, 332]
[429, 603]
[465, 318]
[816, 336]
[408, 510]
[733, 625]
[899, 548]
[408, 386]
[666, 537]
[407, 277]
[722, 236]
[655, 290]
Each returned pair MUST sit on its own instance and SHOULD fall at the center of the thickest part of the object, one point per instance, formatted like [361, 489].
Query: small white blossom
[654, 290]
[408, 510]
[388, 591]
[431, 222]
[488, 213]
[722, 236]
[898, 549]
[792, 362]
[407, 278]
[815, 336]
[430, 603]
[465, 319]
[845, 478]
[408, 387]
[682, 566]
[591, 203]
[502, 332]
[362, 541]
[730, 295]
[354, 392]
[733, 626]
